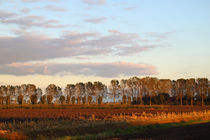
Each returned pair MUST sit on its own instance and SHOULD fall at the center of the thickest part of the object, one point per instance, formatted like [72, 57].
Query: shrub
[7, 99]
[43, 100]
[129, 100]
[134, 101]
[62, 99]
[49, 99]
[84, 100]
[1, 99]
[20, 99]
[163, 98]
[78, 100]
[73, 100]
[138, 100]
[33, 99]
[89, 99]
[68, 99]
[100, 100]
[124, 99]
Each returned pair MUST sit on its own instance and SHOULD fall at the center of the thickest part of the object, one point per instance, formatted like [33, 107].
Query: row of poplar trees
[135, 90]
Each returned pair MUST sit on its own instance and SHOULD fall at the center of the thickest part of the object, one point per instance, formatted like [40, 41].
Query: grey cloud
[114, 39]
[32, 21]
[32, 47]
[94, 2]
[55, 8]
[130, 8]
[96, 20]
[130, 50]
[25, 10]
[159, 35]
[5, 15]
[40, 0]
[88, 69]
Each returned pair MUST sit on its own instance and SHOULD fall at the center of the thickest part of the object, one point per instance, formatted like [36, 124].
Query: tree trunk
[202, 101]
[141, 100]
[114, 97]
[150, 100]
[180, 100]
[186, 101]
[140, 96]
[86, 99]
[191, 101]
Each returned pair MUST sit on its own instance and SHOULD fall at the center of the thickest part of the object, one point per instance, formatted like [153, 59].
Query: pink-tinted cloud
[114, 31]
[25, 10]
[29, 21]
[28, 46]
[130, 8]
[94, 2]
[96, 20]
[55, 8]
[159, 35]
[40, 0]
[109, 70]
[5, 15]
[130, 50]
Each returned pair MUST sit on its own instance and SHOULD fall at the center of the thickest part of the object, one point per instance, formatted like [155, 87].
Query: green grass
[130, 130]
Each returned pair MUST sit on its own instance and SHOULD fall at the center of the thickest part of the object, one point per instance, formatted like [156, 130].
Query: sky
[60, 42]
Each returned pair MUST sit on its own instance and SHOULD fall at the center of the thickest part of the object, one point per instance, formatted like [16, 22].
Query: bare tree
[152, 86]
[190, 90]
[202, 88]
[123, 85]
[33, 99]
[99, 90]
[89, 88]
[43, 99]
[62, 99]
[164, 86]
[140, 90]
[114, 88]
[49, 99]
[130, 87]
[180, 88]
[11, 93]
[80, 90]
[54, 91]
[70, 91]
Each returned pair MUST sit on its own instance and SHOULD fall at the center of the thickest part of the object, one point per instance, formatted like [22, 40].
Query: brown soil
[75, 114]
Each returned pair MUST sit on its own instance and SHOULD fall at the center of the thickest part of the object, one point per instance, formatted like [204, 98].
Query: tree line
[135, 90]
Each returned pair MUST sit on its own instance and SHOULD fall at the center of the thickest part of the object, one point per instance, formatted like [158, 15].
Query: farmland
[132, 108]
[95, 121]
[82, 112]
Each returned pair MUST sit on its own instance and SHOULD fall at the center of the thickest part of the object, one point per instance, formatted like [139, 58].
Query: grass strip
[129, 130]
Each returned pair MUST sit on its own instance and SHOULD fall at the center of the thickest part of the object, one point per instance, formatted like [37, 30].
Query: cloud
[96, 20]
[124, 50]
[94, 2]
[159, 35]
[55, 8]
[130, 8]
[25, 10]
[114, 31]
[40, 0]
[29, 21]
[29, 46]
[5, 15]
[107, 70]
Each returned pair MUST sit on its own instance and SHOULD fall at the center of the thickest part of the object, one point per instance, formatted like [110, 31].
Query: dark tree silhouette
[62, 99]
[49, 99]
[43, 99]
[33, 99]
